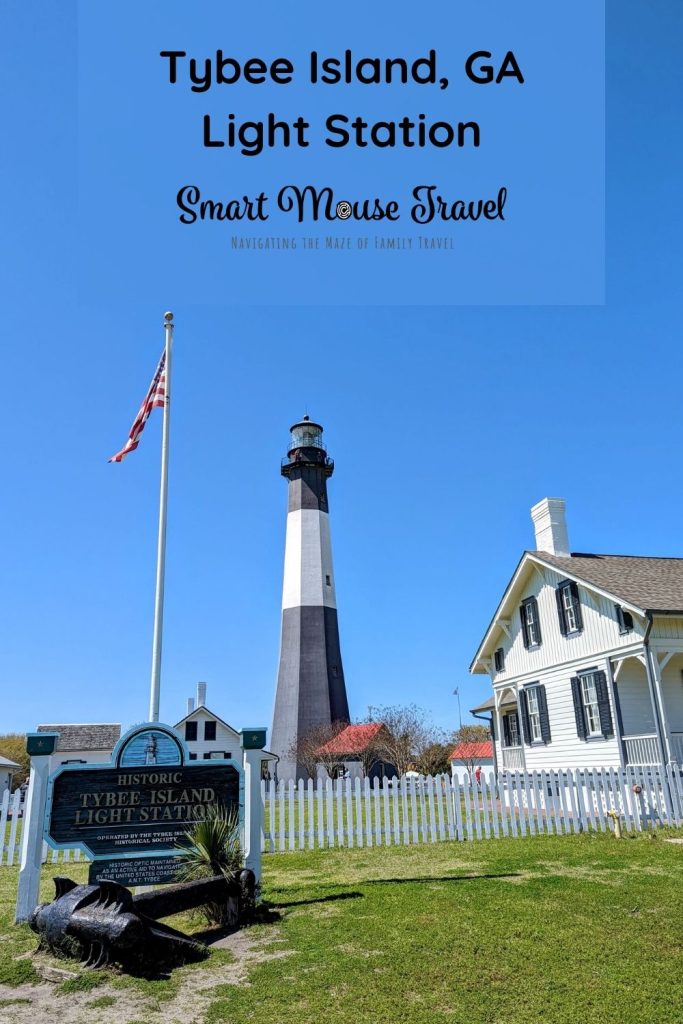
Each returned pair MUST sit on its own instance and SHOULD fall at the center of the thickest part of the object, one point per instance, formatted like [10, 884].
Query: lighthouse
[310, 683]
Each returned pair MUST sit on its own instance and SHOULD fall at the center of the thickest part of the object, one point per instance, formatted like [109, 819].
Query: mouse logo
[344, 210]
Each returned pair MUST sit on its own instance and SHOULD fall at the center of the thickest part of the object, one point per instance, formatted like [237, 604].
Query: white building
[7, 770]
[89, 743]
[206, 734]
[585, 654]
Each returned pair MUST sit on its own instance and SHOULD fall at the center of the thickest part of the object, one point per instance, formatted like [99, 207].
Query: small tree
[467, 734]
[433, 760]
[407, 735]
[13, 747]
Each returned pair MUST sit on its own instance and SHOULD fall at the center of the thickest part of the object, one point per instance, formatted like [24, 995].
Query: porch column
[662, 717]
[499, 729]
[617, 709]
[520, 727]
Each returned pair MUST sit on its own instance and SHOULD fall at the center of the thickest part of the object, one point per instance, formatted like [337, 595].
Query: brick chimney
[550, 526]
[201, 695]
[190, 705]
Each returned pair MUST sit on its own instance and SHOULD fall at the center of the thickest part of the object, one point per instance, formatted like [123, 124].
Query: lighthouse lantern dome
[306, 434]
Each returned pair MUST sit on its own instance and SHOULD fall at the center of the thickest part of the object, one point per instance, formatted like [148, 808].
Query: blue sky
[446, 425]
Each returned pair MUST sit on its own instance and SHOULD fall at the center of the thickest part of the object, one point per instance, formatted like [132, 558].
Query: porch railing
[642, 750]
[513, 758]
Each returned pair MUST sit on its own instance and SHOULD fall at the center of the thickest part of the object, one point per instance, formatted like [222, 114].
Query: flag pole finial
[168, 317]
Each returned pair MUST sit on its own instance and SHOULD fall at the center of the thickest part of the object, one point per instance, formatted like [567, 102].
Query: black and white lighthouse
[310, 684]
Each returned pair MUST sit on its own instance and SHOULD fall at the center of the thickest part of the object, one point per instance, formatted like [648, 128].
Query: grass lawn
[581, 929]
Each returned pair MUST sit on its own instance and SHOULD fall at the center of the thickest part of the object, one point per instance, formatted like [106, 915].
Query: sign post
[253, 741]
[40, 745]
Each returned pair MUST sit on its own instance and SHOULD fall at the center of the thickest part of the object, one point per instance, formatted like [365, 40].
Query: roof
[488, 705]
[90, 736]
[652, 584]
[354, 739]
[6, 763]
[643, 584]
[472, 751]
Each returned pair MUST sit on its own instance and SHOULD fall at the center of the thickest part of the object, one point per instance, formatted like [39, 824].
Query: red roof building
[473, 752]
[352, 741]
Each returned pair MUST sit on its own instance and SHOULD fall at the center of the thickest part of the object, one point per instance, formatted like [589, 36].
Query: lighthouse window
[328, 581]
[190, 730]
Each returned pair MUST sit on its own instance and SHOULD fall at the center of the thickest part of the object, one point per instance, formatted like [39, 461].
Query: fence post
[40, 745]
[252, 741]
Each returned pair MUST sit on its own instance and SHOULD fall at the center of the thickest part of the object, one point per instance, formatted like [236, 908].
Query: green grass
[550, 929]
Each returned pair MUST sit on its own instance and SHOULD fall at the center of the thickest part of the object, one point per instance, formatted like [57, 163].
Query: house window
[499, 659]
[569, 608]
[209, 730]
[193, 757]
[531, 627]
[217, 755]
[190, 731]
[511, 730]
[589, 698]
[207, 757]
[534, 714]
[592, 705]
[624, 618]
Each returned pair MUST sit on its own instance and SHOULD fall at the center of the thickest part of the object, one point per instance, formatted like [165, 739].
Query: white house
[89, 743]
[585, 654]
[206, 734]
[7, 770]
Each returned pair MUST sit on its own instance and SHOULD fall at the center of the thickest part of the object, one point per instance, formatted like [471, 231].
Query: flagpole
[161, 542]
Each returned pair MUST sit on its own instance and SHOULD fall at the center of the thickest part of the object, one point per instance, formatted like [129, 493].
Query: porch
[650, 707]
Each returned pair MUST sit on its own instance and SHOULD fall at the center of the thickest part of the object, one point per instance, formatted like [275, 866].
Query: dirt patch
[27, 1004]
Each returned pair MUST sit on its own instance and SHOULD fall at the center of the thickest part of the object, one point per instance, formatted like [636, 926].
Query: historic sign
[144, 803]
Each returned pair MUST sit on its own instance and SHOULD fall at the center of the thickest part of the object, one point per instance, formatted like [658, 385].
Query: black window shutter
[525, 631]
[506, 730]
[577, 605]
[606, 726]
[493, 727]
[526, 725]
[543, 714]
[537, 620]
[560, 611]
[578, 708]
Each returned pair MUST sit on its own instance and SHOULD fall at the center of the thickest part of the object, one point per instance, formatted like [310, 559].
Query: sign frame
[115, 762]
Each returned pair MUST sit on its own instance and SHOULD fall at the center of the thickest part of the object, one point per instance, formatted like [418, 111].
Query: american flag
[155, 398]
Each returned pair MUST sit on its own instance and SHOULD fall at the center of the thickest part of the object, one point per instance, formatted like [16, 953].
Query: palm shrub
[214, 849]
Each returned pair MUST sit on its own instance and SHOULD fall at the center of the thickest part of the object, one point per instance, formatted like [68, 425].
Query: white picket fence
[347, 813]
[10, 835]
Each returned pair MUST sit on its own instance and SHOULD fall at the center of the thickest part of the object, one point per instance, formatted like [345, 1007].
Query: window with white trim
[569, 612]
[534, 713]
[513, 729]
[591, 708]
[531, 627]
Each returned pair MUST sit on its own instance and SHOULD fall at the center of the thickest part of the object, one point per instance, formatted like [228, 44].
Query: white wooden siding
[634, 699]
[565, 749]
[667, 628]
[227, 740]
[600, 632]
[672, 689]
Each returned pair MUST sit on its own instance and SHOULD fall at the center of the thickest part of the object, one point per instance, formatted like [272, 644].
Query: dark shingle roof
[653, 584]
[84, 737]
[488, 705]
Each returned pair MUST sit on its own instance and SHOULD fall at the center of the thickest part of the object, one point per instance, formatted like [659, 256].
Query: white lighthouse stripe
[308, 575]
